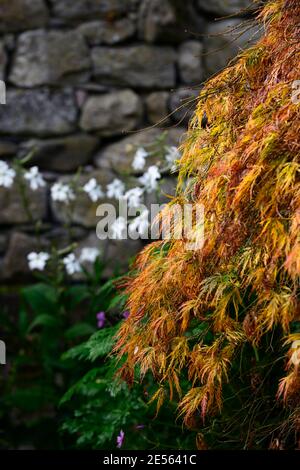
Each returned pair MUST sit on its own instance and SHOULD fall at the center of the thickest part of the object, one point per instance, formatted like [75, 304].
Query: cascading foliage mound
[219, 327]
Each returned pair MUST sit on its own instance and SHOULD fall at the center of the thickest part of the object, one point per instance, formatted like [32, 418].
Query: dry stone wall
[81, 75]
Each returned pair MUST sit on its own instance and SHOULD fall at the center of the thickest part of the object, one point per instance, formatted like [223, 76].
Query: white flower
[7, 175]
[89, 254]
[150, 178]
[71, 264]
[139, 160]
[172, 156]
[115, 189]
[62, 192]
[136, 350]
[35, 179]
[37, 260]
[118, 228]
[134, 197]
[93, 189]
[140, 224]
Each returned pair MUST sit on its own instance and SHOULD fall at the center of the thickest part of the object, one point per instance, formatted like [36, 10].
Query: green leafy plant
[99, 407]
[54, 315]
[242, 156]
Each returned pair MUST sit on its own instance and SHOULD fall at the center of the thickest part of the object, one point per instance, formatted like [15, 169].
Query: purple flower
[100, 319]
[140, 426]
[126, 314]
[120, 439]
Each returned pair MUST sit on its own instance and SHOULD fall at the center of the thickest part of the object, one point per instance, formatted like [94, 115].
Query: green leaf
[23, 321]
[107, 288]
[44, 320]
[88, 385]
[76, 295]
[41, 298]
[80, 329]
[118, 301]
[99, 345]
[98, 268]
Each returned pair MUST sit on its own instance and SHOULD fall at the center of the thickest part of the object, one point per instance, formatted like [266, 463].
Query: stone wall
[81, 75]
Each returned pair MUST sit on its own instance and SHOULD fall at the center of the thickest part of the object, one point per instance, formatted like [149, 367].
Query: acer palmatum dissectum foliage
[244, 283]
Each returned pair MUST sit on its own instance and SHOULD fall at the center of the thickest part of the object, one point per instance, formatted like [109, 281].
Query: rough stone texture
[224, 7]
[9, 41]
[158, 22]
[84, 213]
[61, 154]
[12, 209]
[115, 253]
[190, 62]
[80, 9]
[78, 74]
[44, 58]
[224, 40]
[118, 157]
[112, 114]
[38, 112]
[18, 15]
[61, 237]
[119, 254]
[167, 21]
[157, 106]
[182, 104]
[107, 32]
[137, 66]
[167, 188]
[3, 60]
[15, 264]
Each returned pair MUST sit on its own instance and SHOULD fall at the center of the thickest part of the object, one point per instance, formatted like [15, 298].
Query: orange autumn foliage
[244, 282]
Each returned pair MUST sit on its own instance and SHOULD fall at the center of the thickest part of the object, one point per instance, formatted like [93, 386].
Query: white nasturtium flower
[140, 224]
[89, 254]
[7, 175]
[134, 197]
[37, 261]
[139, 160]
[172, 156]
[34, 178]
[118, 228]
[93, 190]
[62, 192]
[72, 264]
[150, 179]
[115, 190]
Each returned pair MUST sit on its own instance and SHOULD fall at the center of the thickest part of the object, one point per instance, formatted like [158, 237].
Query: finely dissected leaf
[243, 284]
[99, 345]
[80, 329]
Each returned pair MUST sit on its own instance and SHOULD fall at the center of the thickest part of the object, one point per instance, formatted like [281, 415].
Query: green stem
[256, 353]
